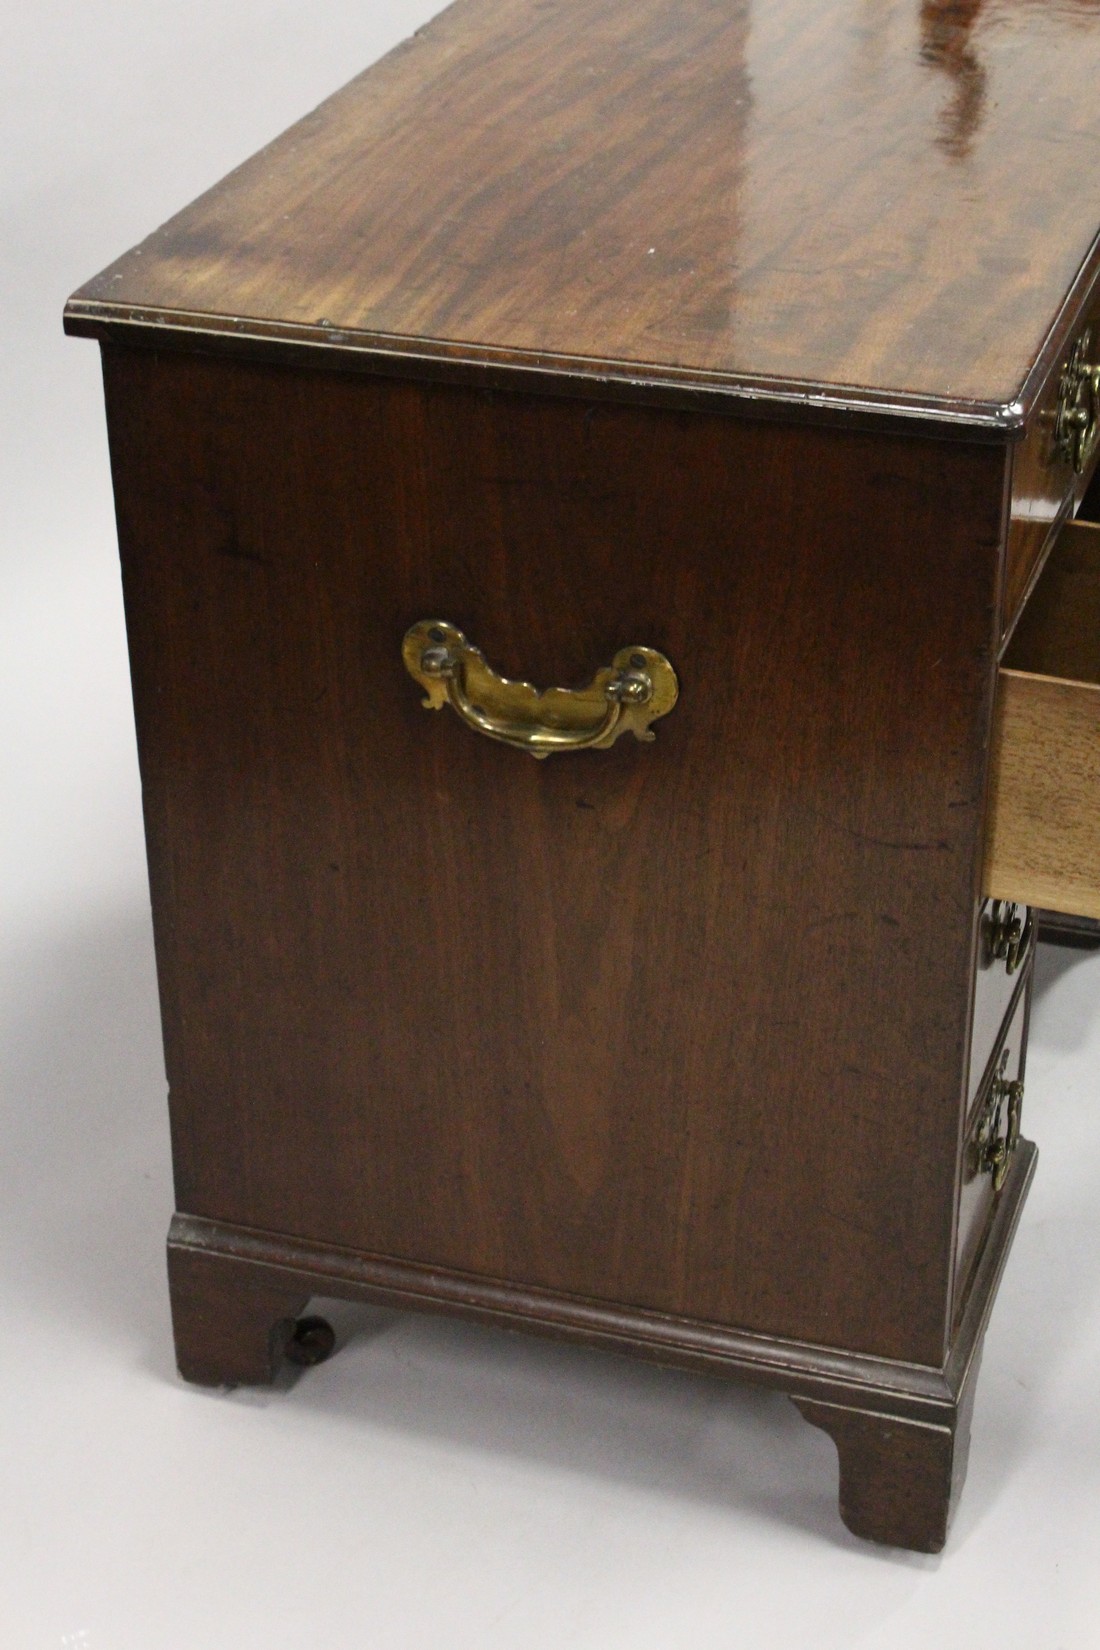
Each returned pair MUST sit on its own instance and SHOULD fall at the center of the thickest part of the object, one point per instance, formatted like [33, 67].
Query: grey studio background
[436, 1484]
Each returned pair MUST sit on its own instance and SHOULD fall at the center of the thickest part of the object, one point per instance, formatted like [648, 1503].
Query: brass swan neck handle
[636, 688]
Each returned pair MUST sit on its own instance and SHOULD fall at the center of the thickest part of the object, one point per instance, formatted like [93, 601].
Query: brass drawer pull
[1010, 936]
[998, 1130]
[1077, 420]
[636, 688]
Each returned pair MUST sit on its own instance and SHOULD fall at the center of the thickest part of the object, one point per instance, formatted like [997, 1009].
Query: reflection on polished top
[891, 195]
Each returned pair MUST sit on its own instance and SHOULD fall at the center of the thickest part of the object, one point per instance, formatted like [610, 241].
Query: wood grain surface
[682, 1026]
[1044, 846]
[1044, 834]
[899, 1479]
[210, 1262]
[232, 1288]
[1059, 632]
[774, 195]
[1046, 491]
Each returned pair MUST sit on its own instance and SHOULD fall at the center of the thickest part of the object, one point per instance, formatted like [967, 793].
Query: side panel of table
[680, 1026]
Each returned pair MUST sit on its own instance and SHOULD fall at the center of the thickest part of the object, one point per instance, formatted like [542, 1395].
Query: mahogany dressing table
[729, 370]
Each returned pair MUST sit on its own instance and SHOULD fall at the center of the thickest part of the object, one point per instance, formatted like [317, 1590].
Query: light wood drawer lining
[1043, 846]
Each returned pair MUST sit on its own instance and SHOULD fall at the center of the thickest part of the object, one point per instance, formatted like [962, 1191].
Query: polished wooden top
[886, 199]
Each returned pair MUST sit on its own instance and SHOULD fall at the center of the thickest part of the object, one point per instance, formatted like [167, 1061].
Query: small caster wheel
[312, 1340]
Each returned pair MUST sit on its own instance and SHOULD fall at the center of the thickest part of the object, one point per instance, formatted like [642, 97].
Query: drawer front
[1005, 942]
[1050, 470]
[991, 1133]
[1043, 845]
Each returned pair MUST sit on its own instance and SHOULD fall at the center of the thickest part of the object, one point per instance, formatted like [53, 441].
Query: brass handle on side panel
[637, 687]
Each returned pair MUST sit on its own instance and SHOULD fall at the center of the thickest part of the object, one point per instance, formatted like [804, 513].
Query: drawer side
[1044, 836]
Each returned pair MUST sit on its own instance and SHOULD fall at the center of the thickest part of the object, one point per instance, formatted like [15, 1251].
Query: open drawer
[1043, 844]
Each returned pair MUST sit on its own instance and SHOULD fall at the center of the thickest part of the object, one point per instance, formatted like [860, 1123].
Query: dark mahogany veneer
[733, 330]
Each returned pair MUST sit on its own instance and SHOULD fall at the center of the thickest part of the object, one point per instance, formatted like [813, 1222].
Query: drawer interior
[1058, 633]
[1043, 846]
